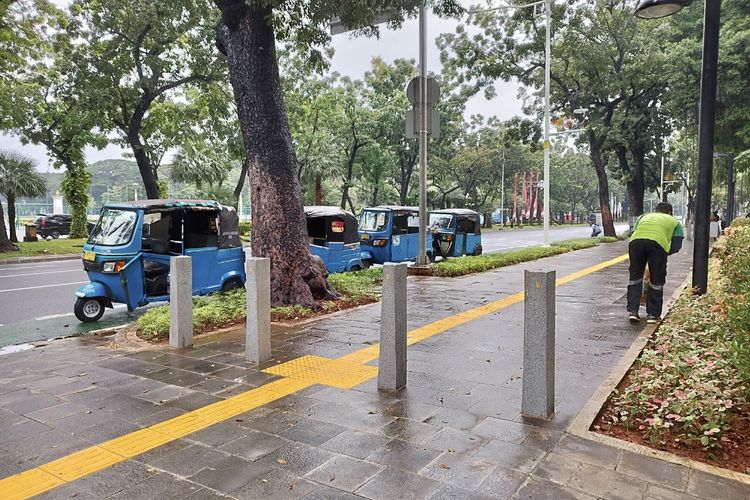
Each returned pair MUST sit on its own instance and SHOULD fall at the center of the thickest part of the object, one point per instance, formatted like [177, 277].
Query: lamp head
[654, 9]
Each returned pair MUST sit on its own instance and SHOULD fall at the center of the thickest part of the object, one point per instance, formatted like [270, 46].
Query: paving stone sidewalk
[455, 432]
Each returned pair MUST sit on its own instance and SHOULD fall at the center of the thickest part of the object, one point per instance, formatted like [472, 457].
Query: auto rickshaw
[128, 252]
[390, 234]
[333, 237]
[456, 232]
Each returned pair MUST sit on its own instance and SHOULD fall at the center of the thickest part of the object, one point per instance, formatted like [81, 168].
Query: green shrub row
[460, 266]
[223, 309]
[735, 266]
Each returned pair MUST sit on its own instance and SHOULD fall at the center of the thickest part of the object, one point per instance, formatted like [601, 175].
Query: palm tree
[18, 177]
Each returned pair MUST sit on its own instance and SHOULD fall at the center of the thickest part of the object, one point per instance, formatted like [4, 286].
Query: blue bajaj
[333, 237]
[456, 232]
[128, 252]
[390, 234]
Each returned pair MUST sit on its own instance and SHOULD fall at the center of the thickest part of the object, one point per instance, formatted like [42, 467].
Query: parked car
[55, 225]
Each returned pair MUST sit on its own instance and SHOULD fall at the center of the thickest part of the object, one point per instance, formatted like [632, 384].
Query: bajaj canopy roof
[350, 234]
[165, 203]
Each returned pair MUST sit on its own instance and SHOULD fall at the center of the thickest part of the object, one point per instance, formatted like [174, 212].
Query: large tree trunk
[12, 218]
[601, 174]
[636, 184]
[279, 232]
[5, 244]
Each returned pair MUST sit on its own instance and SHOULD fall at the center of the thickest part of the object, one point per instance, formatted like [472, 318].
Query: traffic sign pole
[422, 255]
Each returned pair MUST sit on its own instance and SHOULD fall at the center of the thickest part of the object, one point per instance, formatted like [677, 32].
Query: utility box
[30, 232]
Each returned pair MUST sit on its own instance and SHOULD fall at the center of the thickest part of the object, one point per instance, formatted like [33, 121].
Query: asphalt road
[36, 300]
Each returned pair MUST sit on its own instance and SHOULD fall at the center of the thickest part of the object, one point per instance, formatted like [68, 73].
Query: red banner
[515, 197]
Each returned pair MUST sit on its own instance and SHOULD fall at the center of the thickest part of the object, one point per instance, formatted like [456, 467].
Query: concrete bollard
[392, 361]
[538, 394]
[180, 302]
[258, 325]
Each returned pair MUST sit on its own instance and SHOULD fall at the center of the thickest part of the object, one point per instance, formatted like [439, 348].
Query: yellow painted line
[344, 372]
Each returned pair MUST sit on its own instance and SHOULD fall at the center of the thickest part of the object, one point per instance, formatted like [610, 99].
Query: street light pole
[502, 191]
[547, 145]
[422, 255]
[706, 123]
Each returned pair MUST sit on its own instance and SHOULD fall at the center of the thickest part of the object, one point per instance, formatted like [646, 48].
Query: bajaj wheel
[88, 309]
[478, 250]
[232, 284]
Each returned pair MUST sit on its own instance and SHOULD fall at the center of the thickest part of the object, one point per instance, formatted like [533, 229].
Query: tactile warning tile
[81, 463]
[317, 370]
[27, 484]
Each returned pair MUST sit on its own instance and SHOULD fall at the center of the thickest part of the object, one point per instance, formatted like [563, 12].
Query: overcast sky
[352, 58]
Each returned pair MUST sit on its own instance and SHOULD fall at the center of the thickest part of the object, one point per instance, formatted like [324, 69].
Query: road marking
[300, 373]
[11, 267]
[43, 273]
[63, 315]
[43, 286]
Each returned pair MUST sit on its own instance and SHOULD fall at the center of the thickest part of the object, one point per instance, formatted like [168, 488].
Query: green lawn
[43, 247]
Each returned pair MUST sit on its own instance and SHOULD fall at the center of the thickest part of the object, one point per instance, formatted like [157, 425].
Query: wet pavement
[454, 432]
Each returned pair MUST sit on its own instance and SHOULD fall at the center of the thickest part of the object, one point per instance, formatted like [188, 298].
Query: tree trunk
[279, 232]
[318, 189]
[5, 244]
[144, 164]
[349, 174]
[12, 218]
[636, 184]
[375, 195]
[601, 174]
[241, 181]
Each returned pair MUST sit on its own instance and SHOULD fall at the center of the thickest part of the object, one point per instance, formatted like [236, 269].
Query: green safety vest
[657, 227]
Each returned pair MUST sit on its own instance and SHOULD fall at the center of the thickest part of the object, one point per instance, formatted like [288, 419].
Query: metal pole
[730, 188]
[547, 145]
[502, 192]
[661, 182]
[422, 255]
[706, 144]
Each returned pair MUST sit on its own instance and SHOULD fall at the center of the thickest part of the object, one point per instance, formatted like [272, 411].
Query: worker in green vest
[655, 236]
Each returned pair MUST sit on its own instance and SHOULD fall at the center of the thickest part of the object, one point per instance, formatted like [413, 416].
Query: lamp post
[547, 60]
[652, 9]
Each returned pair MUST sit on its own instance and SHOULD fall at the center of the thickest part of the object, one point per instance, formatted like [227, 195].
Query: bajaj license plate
[365, 236]
[89, 256]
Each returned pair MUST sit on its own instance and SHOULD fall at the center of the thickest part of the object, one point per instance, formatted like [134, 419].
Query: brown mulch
[734, 455]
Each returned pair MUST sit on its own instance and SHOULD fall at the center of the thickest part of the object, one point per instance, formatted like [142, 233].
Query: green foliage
[18, 177]
[75, 186]
[461, 266]
[245, 227]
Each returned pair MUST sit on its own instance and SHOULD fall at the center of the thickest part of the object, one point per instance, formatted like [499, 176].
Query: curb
[51, 258]
[581, 424]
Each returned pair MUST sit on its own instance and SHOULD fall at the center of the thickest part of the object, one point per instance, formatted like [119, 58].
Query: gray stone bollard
[258, 325]
[538, 395]
[392, 360]
[180, 302]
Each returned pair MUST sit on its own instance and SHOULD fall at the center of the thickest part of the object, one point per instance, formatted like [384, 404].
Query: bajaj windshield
[115, 227]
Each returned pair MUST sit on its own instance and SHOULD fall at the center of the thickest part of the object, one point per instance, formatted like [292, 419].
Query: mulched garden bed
[688, 392]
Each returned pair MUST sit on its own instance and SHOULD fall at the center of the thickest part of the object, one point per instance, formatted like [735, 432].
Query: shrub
[244, 228]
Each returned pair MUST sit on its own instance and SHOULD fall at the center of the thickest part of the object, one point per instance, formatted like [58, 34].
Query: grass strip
[44, 247]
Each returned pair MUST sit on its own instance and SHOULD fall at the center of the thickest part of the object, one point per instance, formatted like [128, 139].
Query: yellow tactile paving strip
[344, 372]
